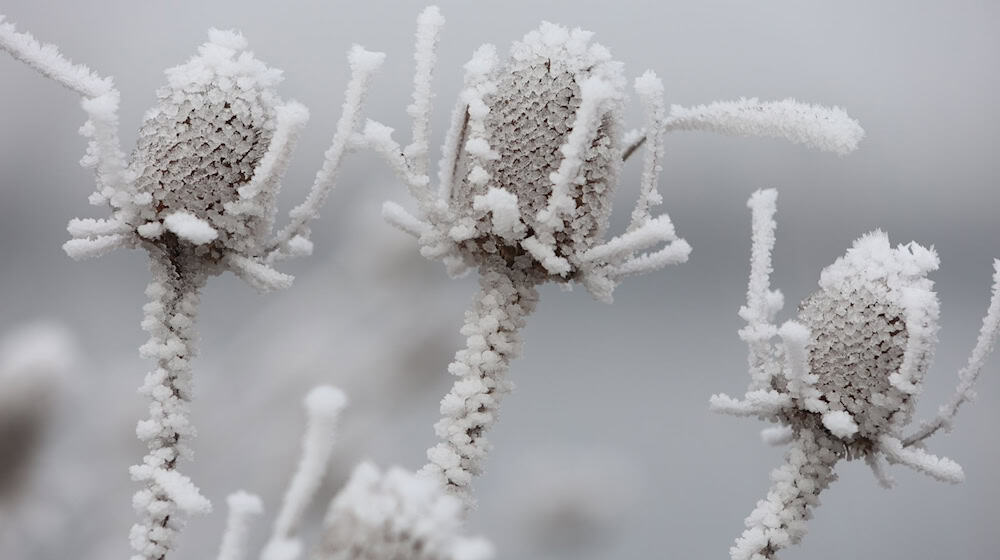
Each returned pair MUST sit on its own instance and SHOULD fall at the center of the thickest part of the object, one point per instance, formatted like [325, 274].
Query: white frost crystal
[843, 381]
[396, 515]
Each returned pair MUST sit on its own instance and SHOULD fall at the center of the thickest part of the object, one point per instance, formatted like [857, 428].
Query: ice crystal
[843, 382]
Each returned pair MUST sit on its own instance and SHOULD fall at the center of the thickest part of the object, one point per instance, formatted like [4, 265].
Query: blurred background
[607, 448]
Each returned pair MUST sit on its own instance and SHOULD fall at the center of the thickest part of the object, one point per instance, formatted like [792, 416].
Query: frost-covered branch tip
[429, 25]
[47, 60]
[824, 128]
[242, 507]
[967, 377]
[843, 382]
[293, 239]
[323, 406]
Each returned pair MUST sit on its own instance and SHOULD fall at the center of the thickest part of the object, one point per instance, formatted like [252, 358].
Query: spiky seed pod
[396, 515]
[861, 321]
[844, 379]
[531, 112]
[202, 141]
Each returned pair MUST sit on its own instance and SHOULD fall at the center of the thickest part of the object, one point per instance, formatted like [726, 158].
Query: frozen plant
[198, 193]
[393, 515]
[526, 179]
[843, 381]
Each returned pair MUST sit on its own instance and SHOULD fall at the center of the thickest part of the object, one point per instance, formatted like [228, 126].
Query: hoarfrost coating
[199, 194]
[395, 515]
[844, 379]
[529, 166]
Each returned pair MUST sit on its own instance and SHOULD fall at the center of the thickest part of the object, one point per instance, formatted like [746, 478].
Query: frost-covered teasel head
[199, 147]
[872, 325]
[843, 382]
[520, 175]
[202, 180]
[533, 156]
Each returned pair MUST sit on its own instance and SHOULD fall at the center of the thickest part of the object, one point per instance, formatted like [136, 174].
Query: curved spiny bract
[843, 381]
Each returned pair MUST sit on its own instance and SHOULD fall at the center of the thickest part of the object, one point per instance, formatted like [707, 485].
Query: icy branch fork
[843, 380]
[525, 181]
[198, 193]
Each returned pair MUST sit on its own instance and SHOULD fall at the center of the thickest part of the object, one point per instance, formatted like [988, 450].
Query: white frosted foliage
[843, 382]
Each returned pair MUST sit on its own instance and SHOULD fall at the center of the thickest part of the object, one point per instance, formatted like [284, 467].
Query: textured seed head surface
[872, 301]
[531, 113]
[203, 140]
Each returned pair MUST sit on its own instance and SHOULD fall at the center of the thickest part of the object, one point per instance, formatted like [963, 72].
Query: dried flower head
[843, 382]
[526, 179]
[200, 145]
[502, 193]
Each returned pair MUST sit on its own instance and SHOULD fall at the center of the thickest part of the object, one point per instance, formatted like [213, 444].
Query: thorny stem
[506, 296]
[170, 319]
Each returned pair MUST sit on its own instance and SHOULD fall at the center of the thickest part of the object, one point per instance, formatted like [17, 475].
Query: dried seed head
[201, 142]
[872, 324]
[532, 109]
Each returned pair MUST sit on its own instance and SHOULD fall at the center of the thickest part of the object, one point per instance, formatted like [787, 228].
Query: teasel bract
[526, 178]
[843, 382]
[198, 193]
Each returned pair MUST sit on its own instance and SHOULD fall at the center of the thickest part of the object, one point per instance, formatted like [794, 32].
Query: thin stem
[170, 320]
[779, 519]
[492, 326]
[988, 334]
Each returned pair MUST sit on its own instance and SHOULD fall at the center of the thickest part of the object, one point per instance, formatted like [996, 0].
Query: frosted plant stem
[506, 296]
[170, 320]
[779, 520]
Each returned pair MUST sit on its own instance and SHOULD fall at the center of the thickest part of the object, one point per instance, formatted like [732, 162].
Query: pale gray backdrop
[632, 378]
